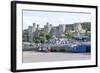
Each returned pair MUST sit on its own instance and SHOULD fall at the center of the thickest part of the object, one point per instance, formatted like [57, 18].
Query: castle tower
[34, 27]
[61, 29]
[77, 28]
[38, 31]
[47, 27]
[30, 33]
[37, 27]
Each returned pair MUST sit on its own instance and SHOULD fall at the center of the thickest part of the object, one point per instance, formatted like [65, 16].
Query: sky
[54, 18]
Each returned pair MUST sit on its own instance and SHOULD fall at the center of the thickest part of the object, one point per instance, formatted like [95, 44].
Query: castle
[56, 31]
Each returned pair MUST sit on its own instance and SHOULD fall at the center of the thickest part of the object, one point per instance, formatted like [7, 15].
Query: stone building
[54, 31]
[34, 27]
[37, 31]
[30, 31]
[78, 29]
[61, 29]
[25, 35]
[47, 28]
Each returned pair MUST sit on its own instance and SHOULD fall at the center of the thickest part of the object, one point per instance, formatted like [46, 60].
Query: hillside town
[53, 37]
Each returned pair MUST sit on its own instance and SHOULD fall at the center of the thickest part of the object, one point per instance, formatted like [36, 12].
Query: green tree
[45, 36]
[24, 36]
[88, 34]
[42, 34]
[68, 35]
[48, 36]
[36, 40]
[42, 39]
[86, 26]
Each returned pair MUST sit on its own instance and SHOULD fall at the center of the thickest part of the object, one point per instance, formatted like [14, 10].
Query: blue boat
[81, 48]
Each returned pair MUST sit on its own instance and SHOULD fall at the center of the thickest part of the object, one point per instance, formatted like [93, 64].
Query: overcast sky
[54, 18]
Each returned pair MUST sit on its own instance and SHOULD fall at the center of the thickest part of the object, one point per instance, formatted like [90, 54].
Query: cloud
[29, 20]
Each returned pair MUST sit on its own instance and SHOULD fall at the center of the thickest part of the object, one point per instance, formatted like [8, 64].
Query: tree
[42, 39]
[25, 35]
[86, 26]
[88, 34]
[36, 40]
[42, 34]
[68, 35]
[48, 36]
[45, 36]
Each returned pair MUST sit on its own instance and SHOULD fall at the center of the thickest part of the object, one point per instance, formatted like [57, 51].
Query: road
[31, 56]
